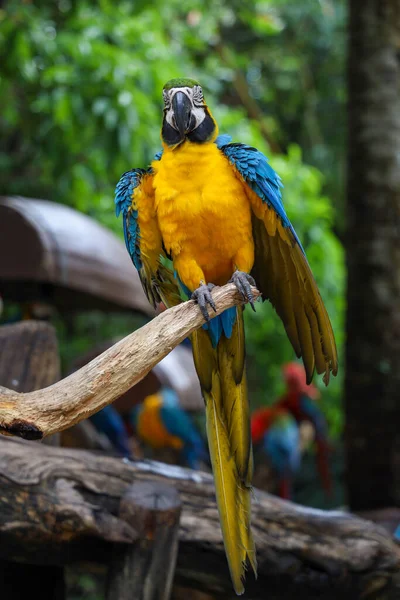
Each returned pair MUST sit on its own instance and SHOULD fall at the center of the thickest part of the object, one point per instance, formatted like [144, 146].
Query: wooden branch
[38, 414]
[60, 505]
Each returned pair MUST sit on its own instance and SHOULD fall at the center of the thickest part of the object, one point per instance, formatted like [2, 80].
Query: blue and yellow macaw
[206, 212]
[160, 422]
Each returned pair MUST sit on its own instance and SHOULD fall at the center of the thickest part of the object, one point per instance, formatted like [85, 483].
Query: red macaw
[300, 400]
[275, 432]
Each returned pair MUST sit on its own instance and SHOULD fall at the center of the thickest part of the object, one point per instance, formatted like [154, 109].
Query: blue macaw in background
[281, 444]
[396, 533]
[109, 422]
[160, 422]
[275, 432]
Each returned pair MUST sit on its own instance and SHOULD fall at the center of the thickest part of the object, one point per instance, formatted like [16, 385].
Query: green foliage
[81, 83]
[88, 330]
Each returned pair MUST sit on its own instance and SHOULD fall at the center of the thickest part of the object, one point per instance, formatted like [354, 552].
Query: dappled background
[315, 86]
[80, 89]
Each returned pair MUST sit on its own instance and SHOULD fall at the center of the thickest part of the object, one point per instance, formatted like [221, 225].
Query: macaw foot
[243, 281]
[203, 297]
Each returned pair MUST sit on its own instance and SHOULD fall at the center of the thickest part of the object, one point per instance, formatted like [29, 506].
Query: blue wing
[133, 194]
[282, 445]
[124, 191]
[178, 423]
[315, 415]
[109, 421]
[281, 270]
[261, 177]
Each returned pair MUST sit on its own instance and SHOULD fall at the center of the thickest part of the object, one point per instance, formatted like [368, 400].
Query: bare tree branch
[37, 414]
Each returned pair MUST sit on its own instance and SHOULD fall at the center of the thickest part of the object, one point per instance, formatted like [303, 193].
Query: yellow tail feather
[222, 377]
[231, 357]
[227, 486]
[245, 516]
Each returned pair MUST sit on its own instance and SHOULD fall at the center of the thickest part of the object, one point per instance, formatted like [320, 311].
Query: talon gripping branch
[207, 212]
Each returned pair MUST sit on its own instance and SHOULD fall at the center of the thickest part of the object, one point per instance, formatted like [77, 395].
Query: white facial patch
[195, 96]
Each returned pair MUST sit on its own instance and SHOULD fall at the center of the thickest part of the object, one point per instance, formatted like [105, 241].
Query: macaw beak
[182, 107]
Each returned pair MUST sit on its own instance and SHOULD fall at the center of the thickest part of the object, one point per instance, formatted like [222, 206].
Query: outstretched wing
[134, 198]
[280, 267]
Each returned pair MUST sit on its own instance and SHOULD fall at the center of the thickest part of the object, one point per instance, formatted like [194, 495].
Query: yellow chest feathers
[201, 204]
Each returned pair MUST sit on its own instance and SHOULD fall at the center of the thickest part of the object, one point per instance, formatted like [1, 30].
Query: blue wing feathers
[228, 319]
[222, 140]
[178, 423]
[123, 204]
[261, 177]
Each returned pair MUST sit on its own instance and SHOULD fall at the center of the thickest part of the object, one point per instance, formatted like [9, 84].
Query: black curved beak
[182, 108]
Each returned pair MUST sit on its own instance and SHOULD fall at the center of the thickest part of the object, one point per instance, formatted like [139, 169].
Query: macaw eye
[166, 99]
[198, 95]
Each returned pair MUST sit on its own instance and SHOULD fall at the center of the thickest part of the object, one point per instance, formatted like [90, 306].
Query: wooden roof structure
[51, 252]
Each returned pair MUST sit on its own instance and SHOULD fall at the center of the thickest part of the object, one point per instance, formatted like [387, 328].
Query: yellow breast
[202, 210]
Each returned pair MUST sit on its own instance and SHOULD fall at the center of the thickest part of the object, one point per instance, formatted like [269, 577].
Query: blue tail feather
[223, 323]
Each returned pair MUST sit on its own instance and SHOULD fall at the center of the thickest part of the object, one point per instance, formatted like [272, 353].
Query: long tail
[221, 371]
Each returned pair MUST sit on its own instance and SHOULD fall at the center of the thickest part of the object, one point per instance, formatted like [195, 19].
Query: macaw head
[169, 397]
[186, 115]
[294, 376]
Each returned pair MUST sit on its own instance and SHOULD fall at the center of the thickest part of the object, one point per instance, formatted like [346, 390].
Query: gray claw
[203, 297]
[243, 281]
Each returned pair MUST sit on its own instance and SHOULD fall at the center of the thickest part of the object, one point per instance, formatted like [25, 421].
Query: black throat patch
[204, 131]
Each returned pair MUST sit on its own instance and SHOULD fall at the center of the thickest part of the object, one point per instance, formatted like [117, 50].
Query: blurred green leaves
[80, 89]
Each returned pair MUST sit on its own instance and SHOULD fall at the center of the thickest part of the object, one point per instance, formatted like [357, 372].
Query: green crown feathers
[180, 82]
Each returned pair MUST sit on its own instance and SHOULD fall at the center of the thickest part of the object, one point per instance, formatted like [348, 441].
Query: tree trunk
[373, 256]
[59, 506]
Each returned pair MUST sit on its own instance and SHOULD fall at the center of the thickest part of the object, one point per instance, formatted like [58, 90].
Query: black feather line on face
[171, 136]
[204, 131]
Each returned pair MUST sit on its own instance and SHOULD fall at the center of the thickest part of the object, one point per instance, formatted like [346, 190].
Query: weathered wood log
[60, 505]
[145, 570]
[38, 414]
[29, 360]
